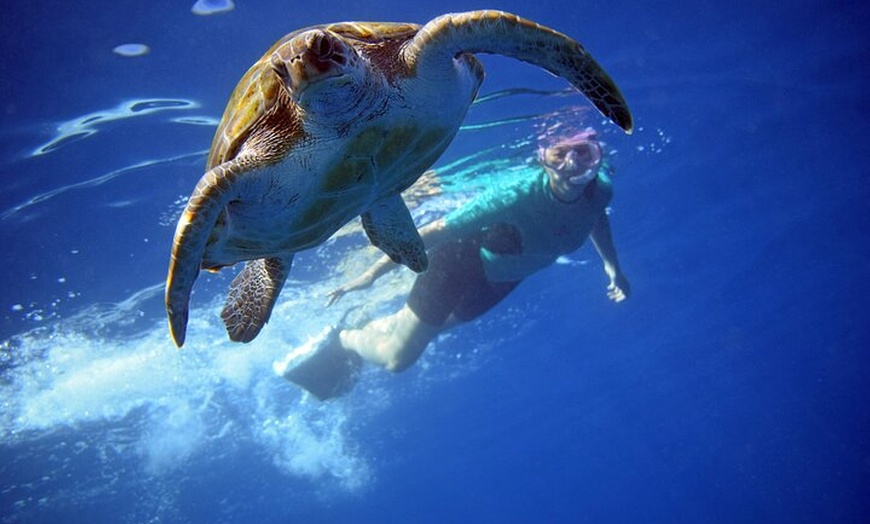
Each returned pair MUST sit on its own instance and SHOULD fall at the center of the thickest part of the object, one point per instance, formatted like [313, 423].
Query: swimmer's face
[571, 166]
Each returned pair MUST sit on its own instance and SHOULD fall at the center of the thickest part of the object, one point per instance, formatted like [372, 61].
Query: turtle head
[319, 67]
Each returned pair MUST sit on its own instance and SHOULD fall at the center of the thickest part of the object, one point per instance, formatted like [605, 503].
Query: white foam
[173, 405]
[316, 447]
[79, 388]
[175, 435]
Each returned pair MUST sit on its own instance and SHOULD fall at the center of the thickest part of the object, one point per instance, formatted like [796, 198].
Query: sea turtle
[334, 121]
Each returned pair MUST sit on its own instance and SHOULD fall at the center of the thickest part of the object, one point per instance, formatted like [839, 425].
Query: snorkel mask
[576, 160]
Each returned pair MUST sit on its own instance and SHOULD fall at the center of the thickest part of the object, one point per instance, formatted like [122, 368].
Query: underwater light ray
[515, 91]
[97, 181]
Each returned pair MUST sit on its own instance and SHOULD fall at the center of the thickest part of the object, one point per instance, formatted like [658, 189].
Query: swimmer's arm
[366, 279]
[618, 289]
[435, 233]
[432, 234]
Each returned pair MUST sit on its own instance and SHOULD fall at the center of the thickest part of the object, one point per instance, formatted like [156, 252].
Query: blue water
[731, 387]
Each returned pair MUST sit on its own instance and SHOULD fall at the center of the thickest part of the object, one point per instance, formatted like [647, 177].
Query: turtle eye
[280, 67]
[322, 45]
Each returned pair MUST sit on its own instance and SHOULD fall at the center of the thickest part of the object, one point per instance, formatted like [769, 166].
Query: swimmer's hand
[376, 271]
[361, 282]
[619, 289]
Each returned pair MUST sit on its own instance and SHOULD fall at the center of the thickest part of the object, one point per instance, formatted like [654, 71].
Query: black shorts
[455, 281]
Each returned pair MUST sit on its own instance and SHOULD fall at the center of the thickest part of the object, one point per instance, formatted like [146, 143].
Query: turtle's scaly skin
[333, 122]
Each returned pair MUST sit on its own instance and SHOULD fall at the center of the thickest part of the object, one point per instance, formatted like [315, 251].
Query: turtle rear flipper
[496, 32]
[390, 228]
[252, 296]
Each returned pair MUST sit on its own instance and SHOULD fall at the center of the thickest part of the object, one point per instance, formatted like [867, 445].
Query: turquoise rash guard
[548, 227]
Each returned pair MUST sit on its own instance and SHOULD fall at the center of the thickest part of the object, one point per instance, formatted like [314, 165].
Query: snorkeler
[478, 254]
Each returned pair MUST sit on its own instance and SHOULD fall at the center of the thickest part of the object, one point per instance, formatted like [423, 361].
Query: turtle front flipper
[252, 296]
[390, 228]
[212, 193]
[448, 36]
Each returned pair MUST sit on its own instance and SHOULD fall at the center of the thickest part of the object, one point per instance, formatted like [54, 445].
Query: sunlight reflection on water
[131, 50]
[86, 125]
[212, 7]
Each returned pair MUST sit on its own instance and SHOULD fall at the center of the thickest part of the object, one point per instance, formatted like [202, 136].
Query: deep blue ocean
[731, 387]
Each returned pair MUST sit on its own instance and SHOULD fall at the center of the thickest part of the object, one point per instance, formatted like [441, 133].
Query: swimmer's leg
[394, 342]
